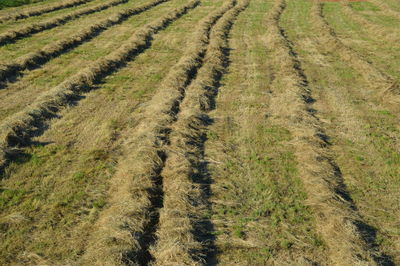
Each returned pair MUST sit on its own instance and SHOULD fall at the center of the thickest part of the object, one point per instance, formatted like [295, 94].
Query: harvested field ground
[200, 132]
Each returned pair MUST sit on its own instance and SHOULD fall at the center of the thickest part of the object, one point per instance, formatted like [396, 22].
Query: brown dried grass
[16, 130]
[184, 200]
[142, 171]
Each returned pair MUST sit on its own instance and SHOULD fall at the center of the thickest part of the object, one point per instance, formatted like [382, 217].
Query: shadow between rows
[40, 121]
[367, 232]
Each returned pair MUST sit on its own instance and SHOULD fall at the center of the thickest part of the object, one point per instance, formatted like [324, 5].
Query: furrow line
[371, 27]
[336, 216]
[13, 35]
[386, 86]
[18, 129]
[387, 10]
[126, 228]
[183, 235]
[42, 56]
[43, 10]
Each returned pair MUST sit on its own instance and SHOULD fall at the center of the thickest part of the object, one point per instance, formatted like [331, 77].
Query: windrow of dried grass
[17, 129]
[42, 10]
[292, 108]
[386, 86]
[127, 226]
[376, 30]
[25, 31]
[182, 233]
[52, 50]
[365, 133]
[73, 182]
[351, 122]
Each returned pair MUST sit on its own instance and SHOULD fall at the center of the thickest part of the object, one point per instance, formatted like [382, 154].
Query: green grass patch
[56, 191]
[263, 180]
[10, 197]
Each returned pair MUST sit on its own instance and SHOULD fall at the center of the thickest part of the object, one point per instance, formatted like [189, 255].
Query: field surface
[200, 132]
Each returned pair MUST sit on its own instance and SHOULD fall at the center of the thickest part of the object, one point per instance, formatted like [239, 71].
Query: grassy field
[13, 3]
[199, 132]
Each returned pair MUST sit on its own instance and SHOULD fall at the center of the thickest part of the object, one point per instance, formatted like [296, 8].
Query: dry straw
[42, 10]
[180, 234]
[12, 35]
[128, 225]
[52, 50]
[291, 105]
[16, 130]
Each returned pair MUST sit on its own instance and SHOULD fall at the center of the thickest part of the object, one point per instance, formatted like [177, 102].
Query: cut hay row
[53, 50]
[17, 129]
[182, 234]
[385, 8]
[126, 228]
[291, 107]
[89, 135]
[42, 10]
[385, 86]
[351, 114]
[15, 34]
[253, 173]
[375, 30]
